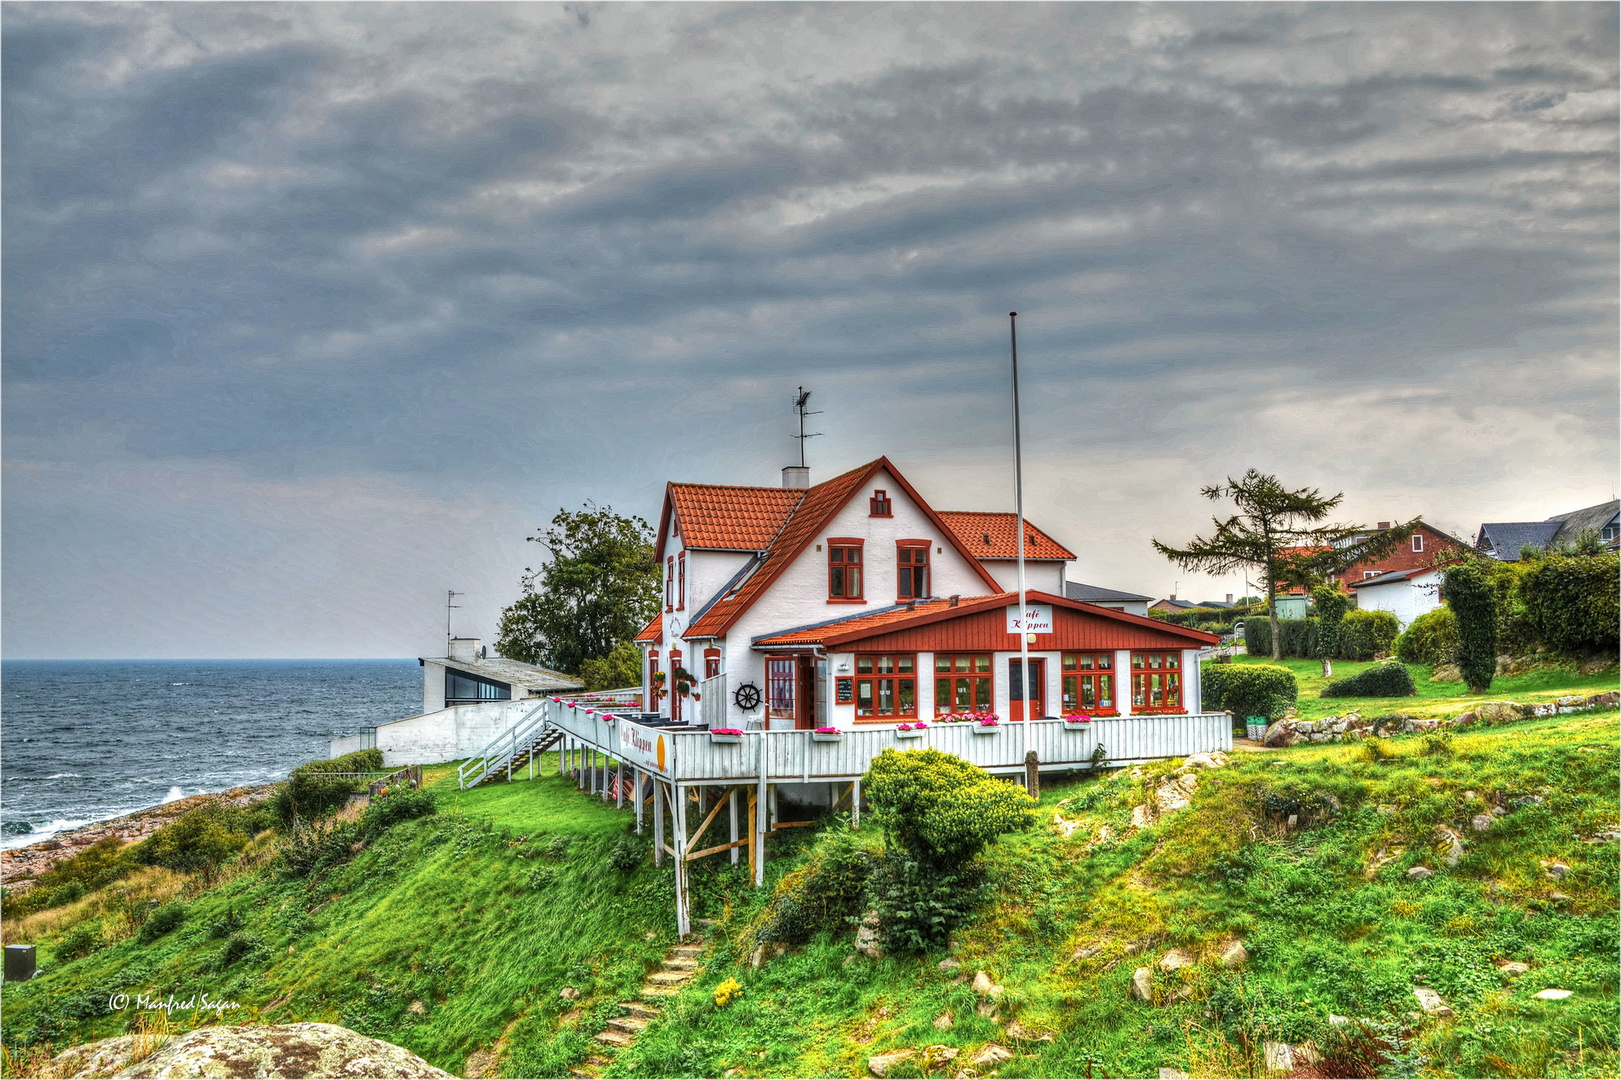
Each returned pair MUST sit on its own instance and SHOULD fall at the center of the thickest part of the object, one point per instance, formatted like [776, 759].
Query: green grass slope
[454, 934]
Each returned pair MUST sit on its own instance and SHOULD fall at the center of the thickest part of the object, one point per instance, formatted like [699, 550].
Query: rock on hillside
[279, 1050]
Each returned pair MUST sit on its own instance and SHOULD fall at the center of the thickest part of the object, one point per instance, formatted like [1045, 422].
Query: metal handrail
[500, 751]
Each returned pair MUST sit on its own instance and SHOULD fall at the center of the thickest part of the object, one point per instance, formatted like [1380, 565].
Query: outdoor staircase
[510, 751]
[679, 968]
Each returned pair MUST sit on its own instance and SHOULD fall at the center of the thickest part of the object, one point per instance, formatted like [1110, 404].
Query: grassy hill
[453, 934]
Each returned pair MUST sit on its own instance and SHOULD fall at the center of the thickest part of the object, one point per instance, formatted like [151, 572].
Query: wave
[42, 831]
[174, 795]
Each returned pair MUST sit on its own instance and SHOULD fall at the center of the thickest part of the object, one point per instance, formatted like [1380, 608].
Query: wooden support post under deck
[1032, 774]
[731, 816]
[855, 803]
[775, 815]
[658, 822]
[683, 916]
[754, 860]
[619, 786]
[636, 792]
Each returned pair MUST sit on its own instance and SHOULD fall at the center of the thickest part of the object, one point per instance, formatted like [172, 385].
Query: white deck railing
[790, 756]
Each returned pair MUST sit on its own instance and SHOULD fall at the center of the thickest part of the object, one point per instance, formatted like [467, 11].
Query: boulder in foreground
[273, 1051]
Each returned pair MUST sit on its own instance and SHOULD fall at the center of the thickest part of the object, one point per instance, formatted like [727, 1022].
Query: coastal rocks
[1233, 955]
[1511, 968]
[1286, 1058]
[1450, 845]
[1141, 816]
[868, 941]
[1213, 760]
[1431, 1002]
[1499, 712]
[990, 1056]
[1552, 994]
[1142, 985]
[1419, 873]
[228, 1052]
[949, 965]
[944, 1021]
[19, 866]
[881, 1064]
[936, 1056]
[1558, 871]
[569, 993]
[1170, 797]
[1175, 960]
[1481, 822]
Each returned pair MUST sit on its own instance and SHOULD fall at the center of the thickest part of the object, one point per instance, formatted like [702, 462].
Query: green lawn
[1433, 698]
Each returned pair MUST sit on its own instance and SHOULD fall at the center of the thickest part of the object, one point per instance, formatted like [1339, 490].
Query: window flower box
[1077, 722]
[826, 734]
[987, 725]
[911, 731]
[725, 735]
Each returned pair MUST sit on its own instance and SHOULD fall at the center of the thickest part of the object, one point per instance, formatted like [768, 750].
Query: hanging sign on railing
[645, 747]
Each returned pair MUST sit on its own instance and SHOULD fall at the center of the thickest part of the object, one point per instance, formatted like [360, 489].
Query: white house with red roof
[854, 602]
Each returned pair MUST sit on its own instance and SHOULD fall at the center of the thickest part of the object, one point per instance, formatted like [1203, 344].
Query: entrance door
[1037, 704]
[805, 715]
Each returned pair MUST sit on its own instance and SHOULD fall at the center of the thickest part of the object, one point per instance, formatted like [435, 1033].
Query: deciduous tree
[599, 587]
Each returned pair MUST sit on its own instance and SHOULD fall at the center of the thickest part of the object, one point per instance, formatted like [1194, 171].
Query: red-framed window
[652, 680]
[880, 505]
[844, 566]
[886, 686]
[669, 583]
[911, 569]
[1156, 682]
[962, 683]
[780, 673]
[711, 662]
[1088, 683]
[681, 582]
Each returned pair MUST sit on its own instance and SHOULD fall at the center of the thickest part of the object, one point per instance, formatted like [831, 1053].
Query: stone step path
[680, 967]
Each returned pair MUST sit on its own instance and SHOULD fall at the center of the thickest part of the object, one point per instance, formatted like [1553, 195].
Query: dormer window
[912, 565]
[880, 503]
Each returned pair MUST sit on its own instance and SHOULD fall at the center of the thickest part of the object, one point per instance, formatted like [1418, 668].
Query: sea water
[86, 740]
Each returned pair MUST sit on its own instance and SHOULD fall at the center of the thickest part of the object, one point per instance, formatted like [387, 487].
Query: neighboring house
[468, 698]
[1131, 603]
[1219, 605]
[1426, 548]
[1171, 603]
[854, 601]
[469, 675]
[1503, 540]
[1407, 594]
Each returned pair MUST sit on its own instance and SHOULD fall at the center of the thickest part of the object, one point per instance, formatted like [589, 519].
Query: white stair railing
[500, 751]
[712, 701]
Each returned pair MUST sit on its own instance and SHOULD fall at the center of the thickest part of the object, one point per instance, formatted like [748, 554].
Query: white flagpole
[1018, 503]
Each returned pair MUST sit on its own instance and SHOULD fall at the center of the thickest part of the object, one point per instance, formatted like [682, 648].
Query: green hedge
[1385, 680]
[1570, 602]
[1248, 689]
[309, 792]
[1431, 639]
[1366, 635]
[1299, 637]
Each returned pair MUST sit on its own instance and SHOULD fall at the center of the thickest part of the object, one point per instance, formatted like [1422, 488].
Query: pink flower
[827, 731]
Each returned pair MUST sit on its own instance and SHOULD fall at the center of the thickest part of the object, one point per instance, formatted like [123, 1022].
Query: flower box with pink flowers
[725, 735]
[826, 734]
[911, 731]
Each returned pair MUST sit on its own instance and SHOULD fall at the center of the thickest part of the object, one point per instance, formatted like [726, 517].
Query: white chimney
[1229, 598]
[796, 476]
[464, 650]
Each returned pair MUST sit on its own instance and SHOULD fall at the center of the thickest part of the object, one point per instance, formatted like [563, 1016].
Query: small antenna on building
[801, 406]
[450, 605]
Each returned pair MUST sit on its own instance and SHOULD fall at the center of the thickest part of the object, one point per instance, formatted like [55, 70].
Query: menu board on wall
[846, 691]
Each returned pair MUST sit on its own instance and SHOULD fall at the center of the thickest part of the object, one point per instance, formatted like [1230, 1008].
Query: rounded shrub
[940, 808]
[1571, 602]
[1431, 639]
[1249, 689]
[398, 803]
[1367, 635]
[1382, 680]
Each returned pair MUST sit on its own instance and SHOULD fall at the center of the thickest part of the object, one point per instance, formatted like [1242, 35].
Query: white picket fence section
[796, 756]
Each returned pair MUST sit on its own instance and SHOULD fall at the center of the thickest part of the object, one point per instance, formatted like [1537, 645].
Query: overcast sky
[312, 313]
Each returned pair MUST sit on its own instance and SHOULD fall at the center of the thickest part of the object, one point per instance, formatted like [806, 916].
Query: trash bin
[1255, 727]
[19, 963]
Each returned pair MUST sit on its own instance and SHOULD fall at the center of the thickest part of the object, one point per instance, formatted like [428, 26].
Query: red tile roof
[653, 631]
[731, 518]
[931, 611]
[819, 504]
[995, 535]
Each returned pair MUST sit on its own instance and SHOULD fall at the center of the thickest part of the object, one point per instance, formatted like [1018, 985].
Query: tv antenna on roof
[450, 605]
[801, 406]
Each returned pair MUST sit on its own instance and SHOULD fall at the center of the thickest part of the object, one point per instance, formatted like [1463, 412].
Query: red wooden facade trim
[986, 631]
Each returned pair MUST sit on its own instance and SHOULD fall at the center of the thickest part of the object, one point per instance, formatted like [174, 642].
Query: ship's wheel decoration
[747, 697]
